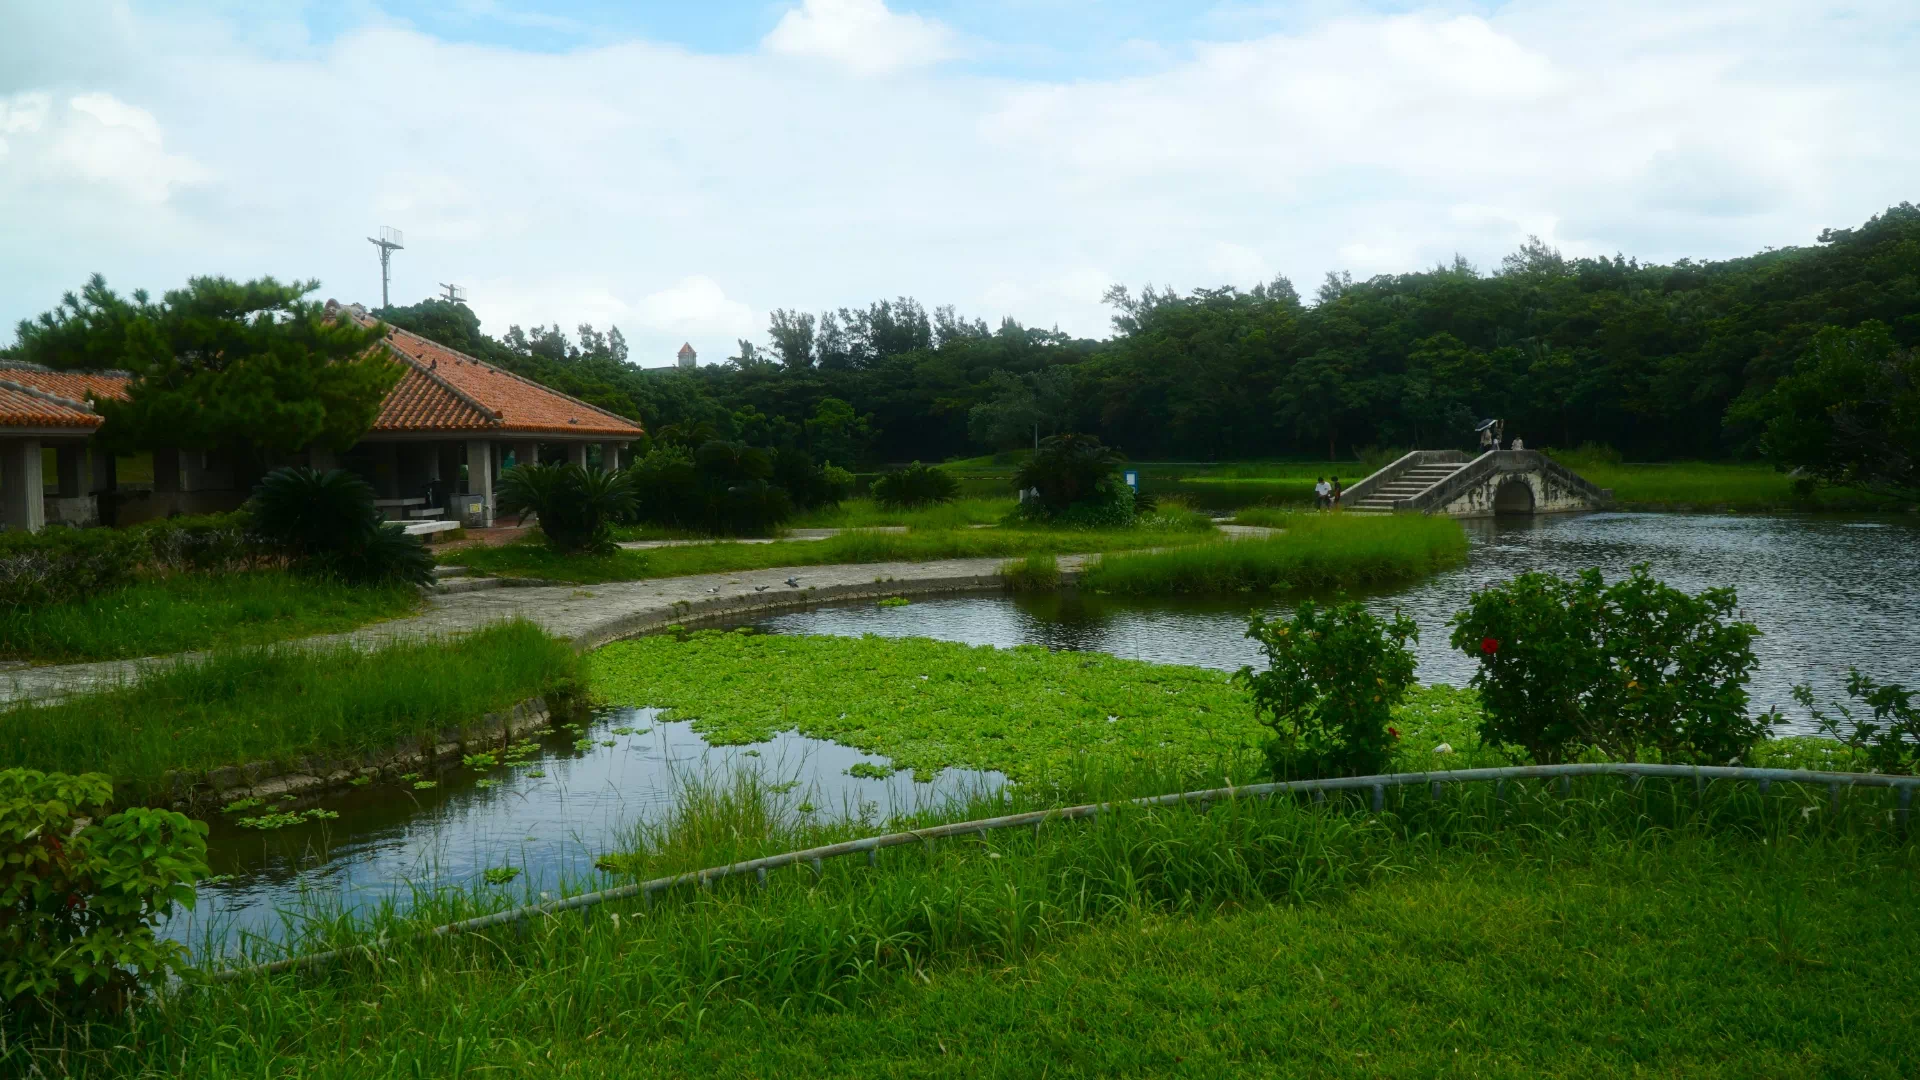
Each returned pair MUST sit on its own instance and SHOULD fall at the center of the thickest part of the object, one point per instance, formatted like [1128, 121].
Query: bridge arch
[1513, 496]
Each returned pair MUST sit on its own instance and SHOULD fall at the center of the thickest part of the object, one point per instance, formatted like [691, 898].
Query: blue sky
[682, 169]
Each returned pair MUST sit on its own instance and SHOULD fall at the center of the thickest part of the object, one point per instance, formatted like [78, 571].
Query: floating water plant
[425, 785]
[867, 770]
[500, 875]
[238, 805]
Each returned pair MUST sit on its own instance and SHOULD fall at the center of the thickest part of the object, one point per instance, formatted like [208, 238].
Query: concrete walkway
[593, 615]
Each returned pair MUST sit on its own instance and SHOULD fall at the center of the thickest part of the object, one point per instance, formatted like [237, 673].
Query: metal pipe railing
[815, 857]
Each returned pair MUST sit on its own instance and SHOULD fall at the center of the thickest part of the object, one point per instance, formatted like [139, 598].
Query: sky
[681, 169]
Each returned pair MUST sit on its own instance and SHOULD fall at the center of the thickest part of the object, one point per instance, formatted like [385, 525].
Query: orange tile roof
[33, 397]
[445, 390]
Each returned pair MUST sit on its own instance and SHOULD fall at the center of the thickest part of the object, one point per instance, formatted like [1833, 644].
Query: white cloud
[680, 196]
[861, 36]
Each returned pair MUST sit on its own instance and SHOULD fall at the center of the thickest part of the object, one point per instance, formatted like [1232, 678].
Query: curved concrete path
[592, 615]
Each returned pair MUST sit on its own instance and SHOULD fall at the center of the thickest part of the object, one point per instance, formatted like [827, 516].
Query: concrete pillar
[68, 459]
[480, 472]
[430, 455]
[610, 456]
[577, 454]
[526, 453]
[22, 485]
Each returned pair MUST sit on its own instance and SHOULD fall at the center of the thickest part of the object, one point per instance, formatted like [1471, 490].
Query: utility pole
[390, 241]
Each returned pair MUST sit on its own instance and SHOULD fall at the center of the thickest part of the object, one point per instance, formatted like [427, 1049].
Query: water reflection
[575, 800]
[1825, 593]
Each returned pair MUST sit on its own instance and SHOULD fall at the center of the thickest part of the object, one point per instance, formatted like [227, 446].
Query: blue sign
[1133, 479]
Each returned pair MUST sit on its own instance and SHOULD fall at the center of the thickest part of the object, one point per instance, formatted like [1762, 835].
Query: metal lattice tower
[390, 241]
[455, 294]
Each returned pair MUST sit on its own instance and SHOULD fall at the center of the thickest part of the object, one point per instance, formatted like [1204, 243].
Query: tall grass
[1699, 485]
[866, 514]
[1642, 907]
[1035, 573]
[1316, 551]
[279, 704]
[194, 611]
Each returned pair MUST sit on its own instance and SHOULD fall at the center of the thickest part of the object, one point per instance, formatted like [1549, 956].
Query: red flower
[1489, 645]
[1393, 733]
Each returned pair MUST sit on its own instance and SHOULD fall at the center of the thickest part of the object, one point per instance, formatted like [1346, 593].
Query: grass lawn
[867, 514]
[530, 558]
[191, 612]
[1613, 933]
[1719, 486]
[282, 703]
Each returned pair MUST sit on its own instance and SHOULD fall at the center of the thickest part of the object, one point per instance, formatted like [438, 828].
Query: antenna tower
[455, 294]
[390, 241]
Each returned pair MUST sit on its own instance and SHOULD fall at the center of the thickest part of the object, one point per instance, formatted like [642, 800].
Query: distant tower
[389, 242]
[455, 294]
[687, 355]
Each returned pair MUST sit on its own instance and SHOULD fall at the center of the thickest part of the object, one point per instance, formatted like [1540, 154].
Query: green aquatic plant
[895, 601]
[500, 875]
[238, 805]
[486, 784]
[425, 785]
[867, 770]
[480, 761]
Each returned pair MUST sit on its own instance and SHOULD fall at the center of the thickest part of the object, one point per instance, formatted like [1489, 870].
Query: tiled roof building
[435, 451]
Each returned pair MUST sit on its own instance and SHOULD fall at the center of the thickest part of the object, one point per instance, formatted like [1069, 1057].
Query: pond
[1826, 593]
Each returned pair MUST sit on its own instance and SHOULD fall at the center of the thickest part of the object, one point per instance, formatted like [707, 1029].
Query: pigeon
[760, 588]
[715, 589]
[793, 582]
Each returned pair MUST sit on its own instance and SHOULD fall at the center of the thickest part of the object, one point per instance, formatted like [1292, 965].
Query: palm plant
[576, 506]
[327, 522]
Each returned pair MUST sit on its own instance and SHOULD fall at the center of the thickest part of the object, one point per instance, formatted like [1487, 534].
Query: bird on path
[793, 582]
[760, 588]
[715, 589]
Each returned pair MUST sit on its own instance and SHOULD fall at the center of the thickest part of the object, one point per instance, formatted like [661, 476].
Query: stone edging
[313, 775]
[728, 607]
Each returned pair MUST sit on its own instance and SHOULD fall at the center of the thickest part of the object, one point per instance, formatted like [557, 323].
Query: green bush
[915, 486]
[1630, 669]
[1887, 738]
[1333, 677]
[1035, 573]
[81, 891]
[204, 544]
[62, 564]
[327, 522]
[577, 506]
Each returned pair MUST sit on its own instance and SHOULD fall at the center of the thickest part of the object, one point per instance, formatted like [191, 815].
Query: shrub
[1333, 676]
[1036, 573]
[1626, 669]
[328, 522]
[1888, 737]
[204, 544]
[915, 486]
[1068, 469]
[577, 506]
[61, 564]
[79, 896]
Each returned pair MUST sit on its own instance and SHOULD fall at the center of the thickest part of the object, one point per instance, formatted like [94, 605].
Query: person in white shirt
[1322, 493]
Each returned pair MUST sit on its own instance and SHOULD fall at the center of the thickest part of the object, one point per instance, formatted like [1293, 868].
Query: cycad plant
[576, 506]
[327, 522]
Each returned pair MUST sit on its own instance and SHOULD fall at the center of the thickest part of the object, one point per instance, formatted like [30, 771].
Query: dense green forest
[1659, 361]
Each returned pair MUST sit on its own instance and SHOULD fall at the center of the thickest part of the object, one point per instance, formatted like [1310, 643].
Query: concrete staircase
[1411, 481]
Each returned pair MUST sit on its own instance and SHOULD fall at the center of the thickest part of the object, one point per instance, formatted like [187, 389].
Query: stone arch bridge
[1498, 482]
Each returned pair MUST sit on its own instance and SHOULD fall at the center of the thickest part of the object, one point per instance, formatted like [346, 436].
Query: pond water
[1827, 593]
[570, 803]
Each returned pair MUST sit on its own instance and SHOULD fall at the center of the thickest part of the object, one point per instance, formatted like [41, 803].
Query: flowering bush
[79, 896]
[1627, 669]
[1333, 677]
